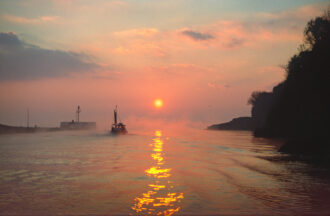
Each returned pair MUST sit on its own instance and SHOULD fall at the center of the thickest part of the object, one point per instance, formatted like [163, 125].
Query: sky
[202, 58]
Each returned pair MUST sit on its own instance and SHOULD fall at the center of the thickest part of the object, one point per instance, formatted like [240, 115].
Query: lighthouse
[77, 113]
[77, 125]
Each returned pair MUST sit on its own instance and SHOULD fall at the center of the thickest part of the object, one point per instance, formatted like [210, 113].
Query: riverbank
[241, 123]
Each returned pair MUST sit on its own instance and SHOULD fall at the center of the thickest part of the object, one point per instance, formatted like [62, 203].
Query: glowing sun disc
[158, 103]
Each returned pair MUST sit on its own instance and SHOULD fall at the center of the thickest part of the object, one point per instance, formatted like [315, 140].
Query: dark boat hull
[118, 131]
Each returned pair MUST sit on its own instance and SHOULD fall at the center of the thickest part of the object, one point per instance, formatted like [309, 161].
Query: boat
[117, 128]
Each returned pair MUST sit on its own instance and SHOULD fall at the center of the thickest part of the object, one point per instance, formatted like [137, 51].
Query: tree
[317, 30]
[254, 98]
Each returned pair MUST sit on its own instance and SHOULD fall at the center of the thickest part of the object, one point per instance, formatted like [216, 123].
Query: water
[187, 172]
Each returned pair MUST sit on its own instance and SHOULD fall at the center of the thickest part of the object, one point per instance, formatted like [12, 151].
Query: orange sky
[203, 60]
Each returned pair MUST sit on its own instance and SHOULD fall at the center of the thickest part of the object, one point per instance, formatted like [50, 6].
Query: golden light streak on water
[158, 173]
[158, 133]
[156, 187]
[161, 199]
[157, 157]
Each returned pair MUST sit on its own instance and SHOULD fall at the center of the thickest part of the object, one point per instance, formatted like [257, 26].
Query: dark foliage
[241, 123]
[299, 107]
[261, 103]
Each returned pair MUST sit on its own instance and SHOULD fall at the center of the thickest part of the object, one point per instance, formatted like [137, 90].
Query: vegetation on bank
[298, 108]
[241, 123]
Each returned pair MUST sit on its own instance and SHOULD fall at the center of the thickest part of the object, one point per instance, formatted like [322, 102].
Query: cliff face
[241, 123]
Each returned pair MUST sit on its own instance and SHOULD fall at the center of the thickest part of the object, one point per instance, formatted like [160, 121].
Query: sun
[158, 103]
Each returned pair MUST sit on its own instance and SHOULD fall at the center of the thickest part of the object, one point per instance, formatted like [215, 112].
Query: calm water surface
[191, 172]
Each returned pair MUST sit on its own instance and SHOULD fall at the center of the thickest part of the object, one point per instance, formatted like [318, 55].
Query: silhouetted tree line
[299, 107]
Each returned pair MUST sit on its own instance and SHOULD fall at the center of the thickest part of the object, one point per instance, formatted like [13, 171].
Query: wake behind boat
[117, 128]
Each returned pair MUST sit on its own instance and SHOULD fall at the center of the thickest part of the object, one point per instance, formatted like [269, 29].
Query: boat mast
[115, 115]
[28, 118]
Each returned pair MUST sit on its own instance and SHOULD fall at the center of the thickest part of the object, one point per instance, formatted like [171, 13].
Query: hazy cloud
[24, 20]
[142, 32]
[235, 42]
[292, 19]
[218, 86]
[22, 61]
[197, 35]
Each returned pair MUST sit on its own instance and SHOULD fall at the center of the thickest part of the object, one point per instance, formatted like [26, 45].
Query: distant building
[72, 125]
[77, 125]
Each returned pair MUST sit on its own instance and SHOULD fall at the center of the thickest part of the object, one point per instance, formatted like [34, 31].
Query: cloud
[218, 86]
[141, 47]
[142, 32]
[256, 30]
[22, 61]
[297, 14]
[292, 20]
[24, 20]
[237, 34]
[195, 35]
[235, 42]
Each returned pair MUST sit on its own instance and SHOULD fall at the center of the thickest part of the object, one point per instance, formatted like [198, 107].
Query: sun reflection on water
[161, 199]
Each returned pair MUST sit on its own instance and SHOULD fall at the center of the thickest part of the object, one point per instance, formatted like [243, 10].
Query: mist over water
[160, 171]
